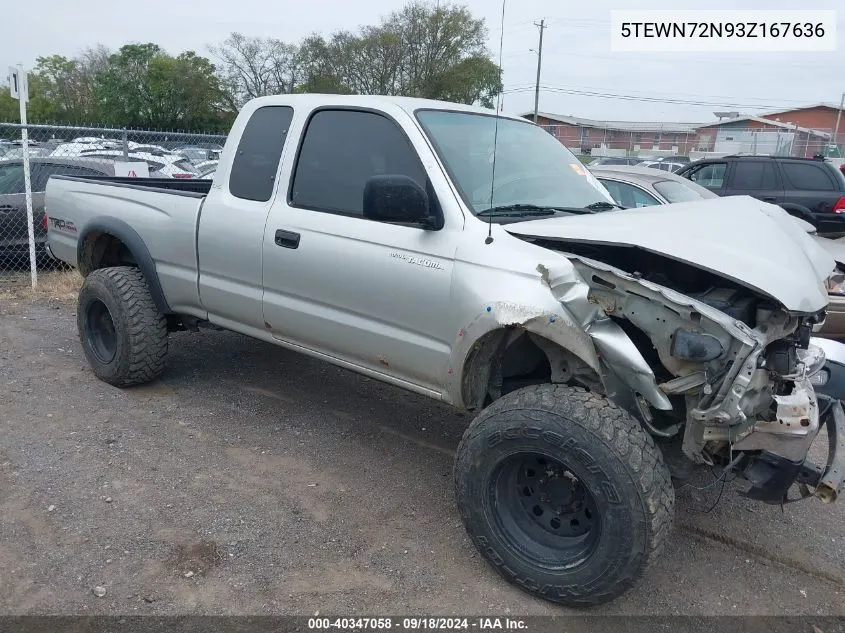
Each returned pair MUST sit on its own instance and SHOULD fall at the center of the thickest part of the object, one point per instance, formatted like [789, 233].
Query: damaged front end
[722, 368]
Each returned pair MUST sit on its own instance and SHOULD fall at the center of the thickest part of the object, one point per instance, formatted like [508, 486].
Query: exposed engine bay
[730, 366]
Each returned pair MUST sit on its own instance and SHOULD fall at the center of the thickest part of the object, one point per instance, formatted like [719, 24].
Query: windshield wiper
[603, 206]
[517, 210]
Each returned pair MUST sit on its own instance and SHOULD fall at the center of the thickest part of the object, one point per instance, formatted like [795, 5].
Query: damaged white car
[456, 253]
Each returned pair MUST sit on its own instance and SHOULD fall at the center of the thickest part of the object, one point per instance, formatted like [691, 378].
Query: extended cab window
[756, 174]
[341, 151]
[259, 151]
[808, 176]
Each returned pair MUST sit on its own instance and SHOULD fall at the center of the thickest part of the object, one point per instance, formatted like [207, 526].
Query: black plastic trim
[190, 187]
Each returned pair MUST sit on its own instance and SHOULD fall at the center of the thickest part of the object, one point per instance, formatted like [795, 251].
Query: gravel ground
[252, 480]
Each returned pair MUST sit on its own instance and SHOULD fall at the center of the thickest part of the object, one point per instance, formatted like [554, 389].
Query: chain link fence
[81, 151]
[658, 139]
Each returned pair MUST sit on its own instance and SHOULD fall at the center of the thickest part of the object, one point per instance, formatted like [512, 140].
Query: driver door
[367, 293]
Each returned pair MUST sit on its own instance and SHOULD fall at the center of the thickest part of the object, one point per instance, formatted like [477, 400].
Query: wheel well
[103, 250]
[511, 357]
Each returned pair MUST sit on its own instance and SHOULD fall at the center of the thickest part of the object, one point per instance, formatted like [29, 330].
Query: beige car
[834, 324]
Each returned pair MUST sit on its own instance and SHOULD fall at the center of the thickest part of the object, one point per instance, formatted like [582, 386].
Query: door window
[11, 178]
[808, 176]
[753, 175]
[341, 151]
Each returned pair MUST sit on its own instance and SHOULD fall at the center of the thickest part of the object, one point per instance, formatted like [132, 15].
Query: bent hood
[753, 243]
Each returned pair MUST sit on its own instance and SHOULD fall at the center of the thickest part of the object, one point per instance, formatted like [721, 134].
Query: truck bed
[156, 215]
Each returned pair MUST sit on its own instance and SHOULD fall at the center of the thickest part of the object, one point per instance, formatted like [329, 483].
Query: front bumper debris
[772, 475]
[831, 482]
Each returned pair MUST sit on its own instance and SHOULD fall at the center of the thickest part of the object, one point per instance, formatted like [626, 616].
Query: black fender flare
[135, 244]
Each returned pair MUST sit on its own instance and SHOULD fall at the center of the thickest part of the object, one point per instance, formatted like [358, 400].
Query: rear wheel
[123, 334]
[563, 493]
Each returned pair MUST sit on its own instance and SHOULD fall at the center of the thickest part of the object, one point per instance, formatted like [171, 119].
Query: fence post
[125, 138]
[23, 96]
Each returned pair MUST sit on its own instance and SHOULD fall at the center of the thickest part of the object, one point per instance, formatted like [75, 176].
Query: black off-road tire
[123, 334]
[620, 485]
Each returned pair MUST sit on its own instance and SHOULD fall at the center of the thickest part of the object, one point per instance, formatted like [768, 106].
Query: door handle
[287, 239]
[769, 198]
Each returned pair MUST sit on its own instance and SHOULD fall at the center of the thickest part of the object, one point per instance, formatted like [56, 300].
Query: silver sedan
[644, 187]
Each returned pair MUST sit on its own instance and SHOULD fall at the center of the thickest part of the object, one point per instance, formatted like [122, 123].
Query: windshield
[532, 167]
[678, 192]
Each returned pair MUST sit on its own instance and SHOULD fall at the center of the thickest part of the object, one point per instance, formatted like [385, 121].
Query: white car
[663, 165]
[77, 147]
[162, 165]
[206, 169]
[144, 147]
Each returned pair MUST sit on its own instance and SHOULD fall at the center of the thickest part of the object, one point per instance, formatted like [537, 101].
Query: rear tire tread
[145, 326]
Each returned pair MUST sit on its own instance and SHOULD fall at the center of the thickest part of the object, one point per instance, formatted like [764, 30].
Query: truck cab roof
[408, 104]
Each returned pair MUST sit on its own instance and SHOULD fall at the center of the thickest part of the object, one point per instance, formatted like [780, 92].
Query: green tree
[145, 87]
[252, 67]
[419, 51]
[316, 68]
[444, 47]
[472, 80]
[9, 108]
[422, 50]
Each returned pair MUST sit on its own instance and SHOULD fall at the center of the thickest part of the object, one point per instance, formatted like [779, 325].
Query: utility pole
[542, 26]
[838, 117]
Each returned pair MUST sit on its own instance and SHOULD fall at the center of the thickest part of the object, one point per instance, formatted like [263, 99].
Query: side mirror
[396, 198]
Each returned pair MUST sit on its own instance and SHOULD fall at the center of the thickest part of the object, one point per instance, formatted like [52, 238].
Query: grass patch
[58, 285]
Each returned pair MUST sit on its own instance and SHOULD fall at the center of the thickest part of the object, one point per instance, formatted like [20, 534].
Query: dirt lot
[253, 480]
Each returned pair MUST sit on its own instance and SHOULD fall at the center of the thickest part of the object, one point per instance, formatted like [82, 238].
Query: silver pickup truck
[458, 254]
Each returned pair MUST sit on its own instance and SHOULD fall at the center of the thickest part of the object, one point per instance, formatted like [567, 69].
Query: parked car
[150, 149]
[206, 169]
[14, 232]
[161, 165]
[615, 160]
[663, 165]
[77, 148]
[834, 323]
[830, 380]
[16, 151]
[375, 233]
[197, 154]
[811, 189]
[676, 159]
[638, 186]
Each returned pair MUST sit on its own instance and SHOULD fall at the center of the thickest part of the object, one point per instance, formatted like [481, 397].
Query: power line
[672, 95]
[680, 60]
[623, 97]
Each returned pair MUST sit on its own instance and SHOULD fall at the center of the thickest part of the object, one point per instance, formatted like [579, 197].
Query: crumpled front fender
[576, 324]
